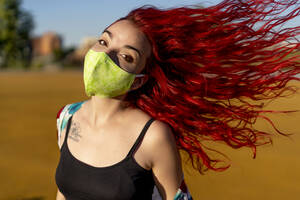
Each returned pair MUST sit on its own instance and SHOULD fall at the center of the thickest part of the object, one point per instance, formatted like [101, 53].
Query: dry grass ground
[29, 153]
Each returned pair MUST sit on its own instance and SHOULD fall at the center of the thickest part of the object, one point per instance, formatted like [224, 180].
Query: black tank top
[125, 180]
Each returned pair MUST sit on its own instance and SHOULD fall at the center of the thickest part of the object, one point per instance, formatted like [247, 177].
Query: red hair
[207, 62]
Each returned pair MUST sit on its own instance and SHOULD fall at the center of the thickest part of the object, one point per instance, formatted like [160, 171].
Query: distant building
[85, 45]
[78, 55]
[45, 44]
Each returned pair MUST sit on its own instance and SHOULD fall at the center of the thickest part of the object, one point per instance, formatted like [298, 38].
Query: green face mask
[103, 78]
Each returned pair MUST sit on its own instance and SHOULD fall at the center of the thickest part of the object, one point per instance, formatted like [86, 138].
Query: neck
[104, 109]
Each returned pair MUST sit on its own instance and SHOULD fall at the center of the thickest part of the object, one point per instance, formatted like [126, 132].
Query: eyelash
[130, 60]
[99, 41]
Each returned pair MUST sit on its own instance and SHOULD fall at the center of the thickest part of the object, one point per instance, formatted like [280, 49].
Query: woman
[164, 80]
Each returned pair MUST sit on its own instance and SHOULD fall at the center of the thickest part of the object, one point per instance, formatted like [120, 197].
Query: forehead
[126, 32]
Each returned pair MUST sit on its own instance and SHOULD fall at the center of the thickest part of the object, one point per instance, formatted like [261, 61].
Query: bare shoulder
[161, 133]
[158, 132]
[160, 143]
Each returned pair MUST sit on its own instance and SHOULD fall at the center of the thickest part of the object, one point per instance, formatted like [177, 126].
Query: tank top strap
[140, 137]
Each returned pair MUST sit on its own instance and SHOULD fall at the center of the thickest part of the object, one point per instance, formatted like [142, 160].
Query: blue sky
[76, 19]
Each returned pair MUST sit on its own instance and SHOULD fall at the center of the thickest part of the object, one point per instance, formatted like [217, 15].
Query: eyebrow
[126, 46]
[108, 32]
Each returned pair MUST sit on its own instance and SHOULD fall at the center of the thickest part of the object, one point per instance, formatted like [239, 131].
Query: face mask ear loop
[140, 75]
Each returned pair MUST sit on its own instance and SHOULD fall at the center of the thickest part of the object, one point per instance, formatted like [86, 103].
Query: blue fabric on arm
[70, 110]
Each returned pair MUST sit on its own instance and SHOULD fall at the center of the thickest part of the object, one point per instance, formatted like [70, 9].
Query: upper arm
[165, 160]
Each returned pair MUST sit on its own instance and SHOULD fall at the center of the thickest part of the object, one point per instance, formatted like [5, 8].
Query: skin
[110, 134]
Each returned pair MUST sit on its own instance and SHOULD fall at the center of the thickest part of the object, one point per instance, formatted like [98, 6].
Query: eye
[127, 58]
[102, 42]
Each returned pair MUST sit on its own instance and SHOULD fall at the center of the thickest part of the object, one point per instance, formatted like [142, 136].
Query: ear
[139, 82]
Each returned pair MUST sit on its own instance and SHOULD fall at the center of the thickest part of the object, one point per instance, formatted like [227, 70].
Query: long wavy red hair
[208, 64]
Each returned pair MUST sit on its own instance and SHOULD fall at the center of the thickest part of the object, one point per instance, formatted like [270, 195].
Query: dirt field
[29, 153]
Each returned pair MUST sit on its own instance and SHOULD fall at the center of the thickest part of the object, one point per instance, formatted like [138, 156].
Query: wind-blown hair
[209, 64]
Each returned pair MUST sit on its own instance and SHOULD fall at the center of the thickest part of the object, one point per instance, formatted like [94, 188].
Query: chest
[94, 162]
[101, 146]
[106, 145]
